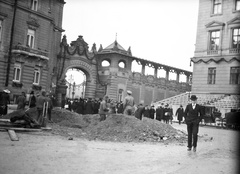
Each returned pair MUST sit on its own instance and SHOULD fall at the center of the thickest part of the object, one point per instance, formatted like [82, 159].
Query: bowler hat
[32, 92]
[193, 97]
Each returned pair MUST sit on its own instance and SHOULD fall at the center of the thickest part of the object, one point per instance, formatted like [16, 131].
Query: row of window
[217, 6]
[17, 71]
[234, 75]
[215, 39]
[30, 36]
[30, 33]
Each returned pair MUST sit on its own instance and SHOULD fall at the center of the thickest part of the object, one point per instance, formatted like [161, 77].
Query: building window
[217, 6]
[237, 5]
[105, 63]
[36, 76]
[122, 64]
[211, 75]
[17, 72]
[235, 75]
[30, 38]
[120, 95]
[214, 40]
[1, 30]
[236, 38]
[34, 5]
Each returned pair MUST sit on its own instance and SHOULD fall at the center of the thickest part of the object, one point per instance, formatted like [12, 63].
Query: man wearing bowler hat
[193, 115]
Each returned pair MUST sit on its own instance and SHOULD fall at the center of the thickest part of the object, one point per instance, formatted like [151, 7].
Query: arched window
[122, 64]
[105, 63]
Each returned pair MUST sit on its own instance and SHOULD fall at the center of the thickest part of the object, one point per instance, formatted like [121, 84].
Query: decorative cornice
[214, 24]
[3, 15]
[204, 60]
[235, 20]
[33, 22]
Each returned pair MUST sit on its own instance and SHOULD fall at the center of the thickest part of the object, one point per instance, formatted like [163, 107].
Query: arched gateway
[115, 78]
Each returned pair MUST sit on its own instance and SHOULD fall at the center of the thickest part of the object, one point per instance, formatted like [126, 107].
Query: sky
[162, 31]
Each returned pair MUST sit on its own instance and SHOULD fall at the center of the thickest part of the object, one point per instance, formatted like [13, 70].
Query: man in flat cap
[193, 115]
[128, 103]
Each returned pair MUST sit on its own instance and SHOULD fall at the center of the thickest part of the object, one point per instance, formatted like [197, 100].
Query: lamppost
[73, 93]
[70, 80]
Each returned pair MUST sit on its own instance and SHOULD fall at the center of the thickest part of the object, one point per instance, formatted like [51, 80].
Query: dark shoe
[189, 149]
[194, 149]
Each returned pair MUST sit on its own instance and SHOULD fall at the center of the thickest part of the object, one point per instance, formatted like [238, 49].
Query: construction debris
[116, 127]
[13, 136]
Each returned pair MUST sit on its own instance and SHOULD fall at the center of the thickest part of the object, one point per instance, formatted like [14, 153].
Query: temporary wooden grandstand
[224, 103]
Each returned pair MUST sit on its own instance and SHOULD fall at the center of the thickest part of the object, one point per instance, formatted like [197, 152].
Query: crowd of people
[193, 113]
[42, 101]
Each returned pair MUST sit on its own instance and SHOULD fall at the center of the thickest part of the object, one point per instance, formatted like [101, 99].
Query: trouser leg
[195, 134]
[189, 130]
[39, 117]
[49, 114]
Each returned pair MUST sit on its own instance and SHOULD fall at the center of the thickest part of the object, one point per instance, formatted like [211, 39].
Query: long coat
[180, 114]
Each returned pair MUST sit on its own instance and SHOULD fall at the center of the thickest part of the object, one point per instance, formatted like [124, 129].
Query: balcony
[234, 51]
[212, 52]
[30, 51]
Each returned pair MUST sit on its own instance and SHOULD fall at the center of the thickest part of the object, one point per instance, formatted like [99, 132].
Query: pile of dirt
[116, 127]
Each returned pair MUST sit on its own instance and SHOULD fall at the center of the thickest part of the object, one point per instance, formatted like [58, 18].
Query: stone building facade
[30, 33]
[115, 78]
[217, 54]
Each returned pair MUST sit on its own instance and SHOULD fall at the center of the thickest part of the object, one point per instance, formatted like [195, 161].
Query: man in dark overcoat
[193, 115]
[152, 112]
[180, 114]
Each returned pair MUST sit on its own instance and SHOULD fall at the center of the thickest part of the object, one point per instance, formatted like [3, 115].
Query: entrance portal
[76, 83]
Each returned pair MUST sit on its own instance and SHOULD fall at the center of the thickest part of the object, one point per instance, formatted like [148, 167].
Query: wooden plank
[4, 120]
[21, 129]
[13, 136]
[6, 124]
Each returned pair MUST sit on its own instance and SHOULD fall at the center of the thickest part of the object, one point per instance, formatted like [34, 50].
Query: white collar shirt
[193, 106]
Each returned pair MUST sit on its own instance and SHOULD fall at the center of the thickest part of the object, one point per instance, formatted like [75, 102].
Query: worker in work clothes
[50, 107]
[41, 99]
[104, 109]
[128, 103]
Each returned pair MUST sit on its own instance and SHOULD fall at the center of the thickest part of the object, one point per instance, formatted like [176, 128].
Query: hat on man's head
[32, 92]
[6, 90]
[193, 97]
[129, 92]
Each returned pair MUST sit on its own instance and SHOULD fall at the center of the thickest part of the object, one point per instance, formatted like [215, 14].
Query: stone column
[155, 71]
[178, 76]
[143, 68]
[167, 74]
[188, 79]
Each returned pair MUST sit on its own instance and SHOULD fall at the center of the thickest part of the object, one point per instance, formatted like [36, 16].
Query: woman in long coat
[180, 114]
